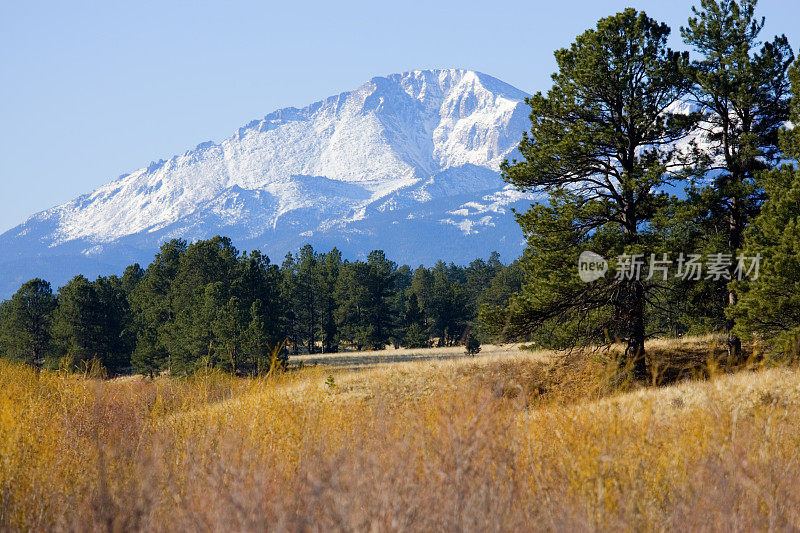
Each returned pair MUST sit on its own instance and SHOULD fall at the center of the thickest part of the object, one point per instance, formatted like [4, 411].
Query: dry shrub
[506, 444]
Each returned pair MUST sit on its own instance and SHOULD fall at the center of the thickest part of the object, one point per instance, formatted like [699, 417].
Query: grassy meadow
[515, 440]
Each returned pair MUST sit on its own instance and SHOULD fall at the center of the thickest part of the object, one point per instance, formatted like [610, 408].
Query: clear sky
[89, 91]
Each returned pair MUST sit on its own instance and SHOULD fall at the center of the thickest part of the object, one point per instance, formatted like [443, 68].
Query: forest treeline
[207, 304]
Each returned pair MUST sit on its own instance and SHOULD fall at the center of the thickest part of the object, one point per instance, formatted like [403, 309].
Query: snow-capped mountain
[407, 163]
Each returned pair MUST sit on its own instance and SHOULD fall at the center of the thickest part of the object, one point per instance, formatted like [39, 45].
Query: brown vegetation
[513, 441]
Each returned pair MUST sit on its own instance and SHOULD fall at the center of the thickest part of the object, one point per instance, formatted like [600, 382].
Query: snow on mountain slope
[402, 163]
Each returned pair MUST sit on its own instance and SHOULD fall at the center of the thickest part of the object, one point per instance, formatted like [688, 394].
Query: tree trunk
[634, 351]
[734, 343]
[634, 301]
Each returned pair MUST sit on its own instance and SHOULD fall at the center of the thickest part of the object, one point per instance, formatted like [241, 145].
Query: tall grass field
[513, 441]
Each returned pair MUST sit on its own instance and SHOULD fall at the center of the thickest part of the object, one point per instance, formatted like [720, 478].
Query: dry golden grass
[508, 442]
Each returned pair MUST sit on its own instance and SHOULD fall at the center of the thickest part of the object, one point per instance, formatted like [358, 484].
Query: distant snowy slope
[407, 163]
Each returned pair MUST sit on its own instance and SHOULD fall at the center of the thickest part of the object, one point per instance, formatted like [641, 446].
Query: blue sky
[89, 91]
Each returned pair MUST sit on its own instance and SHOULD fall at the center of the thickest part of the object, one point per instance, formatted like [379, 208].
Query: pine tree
[401, 282]
[194, 306]
[153, 311]
[116, 337]
[203, 284]
[479, 275]
[258, 282]
[352, 297]
[77, 324]
[448, 305]
[227, 333]
[414, 334]
[415, 337]
[93, 321]
[131, 277]
[473, 345]
[329, 265]
[743, 92]
[422, 287]
[258, 343]
[306, 295]
[599, 144]
[289, 294]
[769, 306]
[25, 323]
[494, 299]
[380, 287]
[365, 292]
[506, 282]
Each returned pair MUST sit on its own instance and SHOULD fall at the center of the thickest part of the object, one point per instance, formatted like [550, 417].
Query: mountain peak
[337, 168]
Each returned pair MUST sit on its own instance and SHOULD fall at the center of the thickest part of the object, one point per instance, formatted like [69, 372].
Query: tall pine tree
[599, 145]
[742, 89]
[25, 323]
[769, 306]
